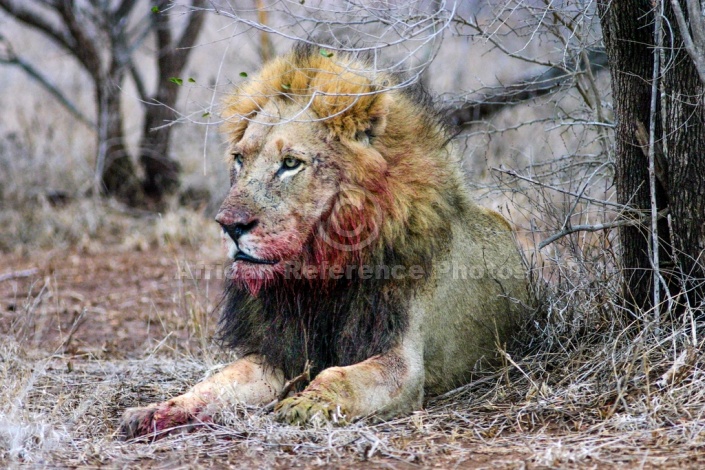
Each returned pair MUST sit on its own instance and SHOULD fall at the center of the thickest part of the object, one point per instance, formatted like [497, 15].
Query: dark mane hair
[296, 321]
[338, 322]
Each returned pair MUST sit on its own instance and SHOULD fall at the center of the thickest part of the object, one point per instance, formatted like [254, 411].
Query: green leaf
[243, 74]
[326, 53]
[155, 9]
[205, 114]
[285, 86]
[176, 80]
[191, 80]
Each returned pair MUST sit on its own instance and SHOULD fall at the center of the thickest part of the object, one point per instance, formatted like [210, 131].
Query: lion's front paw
[308, 408]
[137, 422]
[160, 420]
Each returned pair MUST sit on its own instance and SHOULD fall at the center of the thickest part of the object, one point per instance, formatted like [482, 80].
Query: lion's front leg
[245, 381]
[384, 386]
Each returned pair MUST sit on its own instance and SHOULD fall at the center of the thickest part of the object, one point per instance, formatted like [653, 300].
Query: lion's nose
[236, 230]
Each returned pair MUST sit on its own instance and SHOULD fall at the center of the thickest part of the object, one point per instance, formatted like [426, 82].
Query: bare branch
[560, 190]
[546, 83]
[696, 12]
[404, 26]
[160, 20]
[193, 28]
[139, 83]
[660, 164]
[12, 59]
[32, 19]
[124, 8]
[173, 57]
[599, 227]
[696, 51]
[18, 274]
[84, 49]
[134, 72]
[656, 265]
[491, 38]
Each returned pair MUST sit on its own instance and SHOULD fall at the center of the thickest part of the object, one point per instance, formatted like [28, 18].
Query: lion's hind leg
[247, 381]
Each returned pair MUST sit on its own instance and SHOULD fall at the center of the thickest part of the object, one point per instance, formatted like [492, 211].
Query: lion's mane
[413, 190]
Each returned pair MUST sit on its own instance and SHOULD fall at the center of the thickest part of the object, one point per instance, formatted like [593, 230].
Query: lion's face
[283, 177]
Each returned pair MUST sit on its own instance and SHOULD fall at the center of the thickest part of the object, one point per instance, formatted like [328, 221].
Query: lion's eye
[290, 163]
[237, 157]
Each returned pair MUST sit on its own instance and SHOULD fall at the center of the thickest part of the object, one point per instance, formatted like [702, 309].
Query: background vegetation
[105, 302]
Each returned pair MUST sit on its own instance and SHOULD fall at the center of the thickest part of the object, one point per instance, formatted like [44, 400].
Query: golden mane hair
[379, 165]
[408, 171]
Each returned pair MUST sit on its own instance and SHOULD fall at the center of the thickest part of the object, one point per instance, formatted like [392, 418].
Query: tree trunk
[161, 172]
[114, 166]
[684, 132]
[627, 28]
[628, 41]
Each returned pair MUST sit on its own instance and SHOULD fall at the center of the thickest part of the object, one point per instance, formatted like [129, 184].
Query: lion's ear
[376, 118]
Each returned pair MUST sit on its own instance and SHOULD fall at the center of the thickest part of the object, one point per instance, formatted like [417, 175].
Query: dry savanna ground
[103, 308]
[91, 328]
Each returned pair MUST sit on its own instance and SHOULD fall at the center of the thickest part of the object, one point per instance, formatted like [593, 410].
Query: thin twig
[305, 376]
[563, 191]
[592, 228]
[656, 265]
[18, 274]
[696, 50]
[78, 320]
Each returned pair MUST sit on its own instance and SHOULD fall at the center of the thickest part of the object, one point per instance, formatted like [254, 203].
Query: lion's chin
[254, 276]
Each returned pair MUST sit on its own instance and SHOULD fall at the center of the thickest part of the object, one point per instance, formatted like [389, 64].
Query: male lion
[357, 254]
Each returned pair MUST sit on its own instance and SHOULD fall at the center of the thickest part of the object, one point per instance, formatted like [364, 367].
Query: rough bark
[684, 132]
[628, 35]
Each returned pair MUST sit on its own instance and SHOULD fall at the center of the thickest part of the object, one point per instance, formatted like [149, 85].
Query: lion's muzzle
[233, 227]
[242, 256]
[236, 227]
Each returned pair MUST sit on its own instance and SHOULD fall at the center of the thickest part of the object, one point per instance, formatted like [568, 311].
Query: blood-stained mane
[404, 166]
[345, 210]
[398, 189]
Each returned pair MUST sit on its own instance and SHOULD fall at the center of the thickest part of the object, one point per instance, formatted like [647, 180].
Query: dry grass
[591, 389]
[99, 320]
[89, 223]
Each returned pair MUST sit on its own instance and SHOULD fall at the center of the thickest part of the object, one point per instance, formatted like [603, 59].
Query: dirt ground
[87, 334]
[111, 304]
